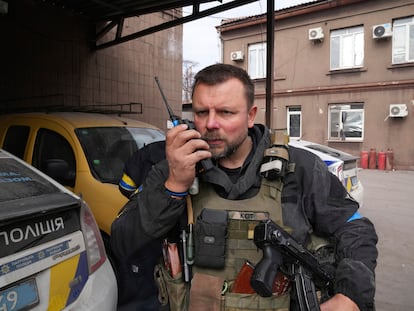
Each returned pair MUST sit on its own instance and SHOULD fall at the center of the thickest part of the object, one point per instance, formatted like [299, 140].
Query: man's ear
[251, 116]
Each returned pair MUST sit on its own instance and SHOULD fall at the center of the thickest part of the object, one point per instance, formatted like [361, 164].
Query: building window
[257, 60]
[403, 40]
[346, 122]
[347, 48]
[294, 122]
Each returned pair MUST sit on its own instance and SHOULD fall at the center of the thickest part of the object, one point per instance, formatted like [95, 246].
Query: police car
[51, 253]
[341, 164]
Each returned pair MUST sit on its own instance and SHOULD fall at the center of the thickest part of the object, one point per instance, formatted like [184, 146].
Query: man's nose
[212, 122]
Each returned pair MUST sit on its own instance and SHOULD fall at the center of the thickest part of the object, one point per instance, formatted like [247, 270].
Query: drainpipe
[270, 44]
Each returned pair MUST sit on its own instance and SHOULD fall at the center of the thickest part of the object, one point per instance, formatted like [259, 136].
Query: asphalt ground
[389, 203]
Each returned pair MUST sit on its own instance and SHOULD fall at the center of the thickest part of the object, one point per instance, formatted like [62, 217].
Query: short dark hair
[219, 73]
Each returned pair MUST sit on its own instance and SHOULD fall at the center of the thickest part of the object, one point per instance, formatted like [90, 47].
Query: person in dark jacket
[313, 201]
[137, 289]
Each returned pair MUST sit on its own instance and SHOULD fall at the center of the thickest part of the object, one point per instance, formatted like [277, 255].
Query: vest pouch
[250, 302]
[210, 239]
[205, 293]
[178, 291]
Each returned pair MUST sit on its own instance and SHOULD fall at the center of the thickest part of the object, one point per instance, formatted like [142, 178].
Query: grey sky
[201, 42]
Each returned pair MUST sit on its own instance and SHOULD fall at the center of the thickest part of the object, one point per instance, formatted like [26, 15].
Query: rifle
[280, 248]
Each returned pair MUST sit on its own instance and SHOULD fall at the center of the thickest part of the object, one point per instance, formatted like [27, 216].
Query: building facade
[48, 61]
[343, 73]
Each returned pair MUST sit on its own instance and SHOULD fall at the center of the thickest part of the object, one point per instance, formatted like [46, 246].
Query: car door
[53, 155]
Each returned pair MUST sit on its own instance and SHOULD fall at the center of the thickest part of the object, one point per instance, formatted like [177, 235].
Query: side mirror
[59, 170]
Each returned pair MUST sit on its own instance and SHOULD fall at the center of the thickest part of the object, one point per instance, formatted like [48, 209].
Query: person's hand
[339, 302]
[184, 149]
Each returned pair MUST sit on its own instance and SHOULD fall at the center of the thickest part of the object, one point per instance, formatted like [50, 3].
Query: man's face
[222, 118]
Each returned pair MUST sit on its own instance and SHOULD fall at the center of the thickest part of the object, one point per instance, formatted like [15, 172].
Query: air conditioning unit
[236, 55]
[398, 110]
[381, 31]
[316, 34]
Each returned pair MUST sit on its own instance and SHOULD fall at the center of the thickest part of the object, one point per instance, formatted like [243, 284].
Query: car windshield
[108, 148]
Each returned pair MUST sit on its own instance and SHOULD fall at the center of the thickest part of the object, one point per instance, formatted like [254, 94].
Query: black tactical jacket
[313, 200]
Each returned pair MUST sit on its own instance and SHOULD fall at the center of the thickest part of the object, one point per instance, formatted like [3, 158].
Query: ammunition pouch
[172, 290]
[210, 243]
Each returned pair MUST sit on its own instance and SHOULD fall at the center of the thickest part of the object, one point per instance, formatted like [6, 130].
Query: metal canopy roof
[112, 13]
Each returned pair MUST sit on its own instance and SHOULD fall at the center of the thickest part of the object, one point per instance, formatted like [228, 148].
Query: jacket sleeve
[329, 209]
[130, 179]
[158, 212]
[356, 256]
[148, 216]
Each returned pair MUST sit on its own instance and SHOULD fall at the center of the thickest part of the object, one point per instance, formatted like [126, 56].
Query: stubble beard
[229, 148]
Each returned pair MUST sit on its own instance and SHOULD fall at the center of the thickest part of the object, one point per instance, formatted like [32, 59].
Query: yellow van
[85, 152]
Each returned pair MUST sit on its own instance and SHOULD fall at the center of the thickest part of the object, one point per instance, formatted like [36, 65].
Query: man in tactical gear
[236, 194]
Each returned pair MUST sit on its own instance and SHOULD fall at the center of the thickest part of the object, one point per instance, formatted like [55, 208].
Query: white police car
[51, 252]
[341, 164]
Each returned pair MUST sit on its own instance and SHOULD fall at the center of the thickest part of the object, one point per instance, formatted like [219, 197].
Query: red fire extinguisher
[364, 159]
[381, 160]
[390, 160]
[372, 159]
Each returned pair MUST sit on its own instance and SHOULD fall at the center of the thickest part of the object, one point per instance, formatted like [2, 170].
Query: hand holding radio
[186, 152]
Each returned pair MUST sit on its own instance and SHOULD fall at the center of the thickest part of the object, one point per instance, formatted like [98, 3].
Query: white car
[341, 164]
[52, 255]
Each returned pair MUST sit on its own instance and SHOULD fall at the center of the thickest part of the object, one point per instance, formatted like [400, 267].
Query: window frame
[291, 111]
[358, 53]
[257, 63]
[406, 27]
[344, 109]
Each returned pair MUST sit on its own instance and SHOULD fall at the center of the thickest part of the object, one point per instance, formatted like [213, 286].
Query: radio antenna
[174, 119]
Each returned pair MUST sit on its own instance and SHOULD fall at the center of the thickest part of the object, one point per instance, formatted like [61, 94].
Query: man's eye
[226, 113]
[201, 113]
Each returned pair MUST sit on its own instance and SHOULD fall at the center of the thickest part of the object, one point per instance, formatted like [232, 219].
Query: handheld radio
[203, 165]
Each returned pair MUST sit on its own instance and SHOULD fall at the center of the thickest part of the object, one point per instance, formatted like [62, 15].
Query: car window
[54, 156]
[16, 139]
[108, 148]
